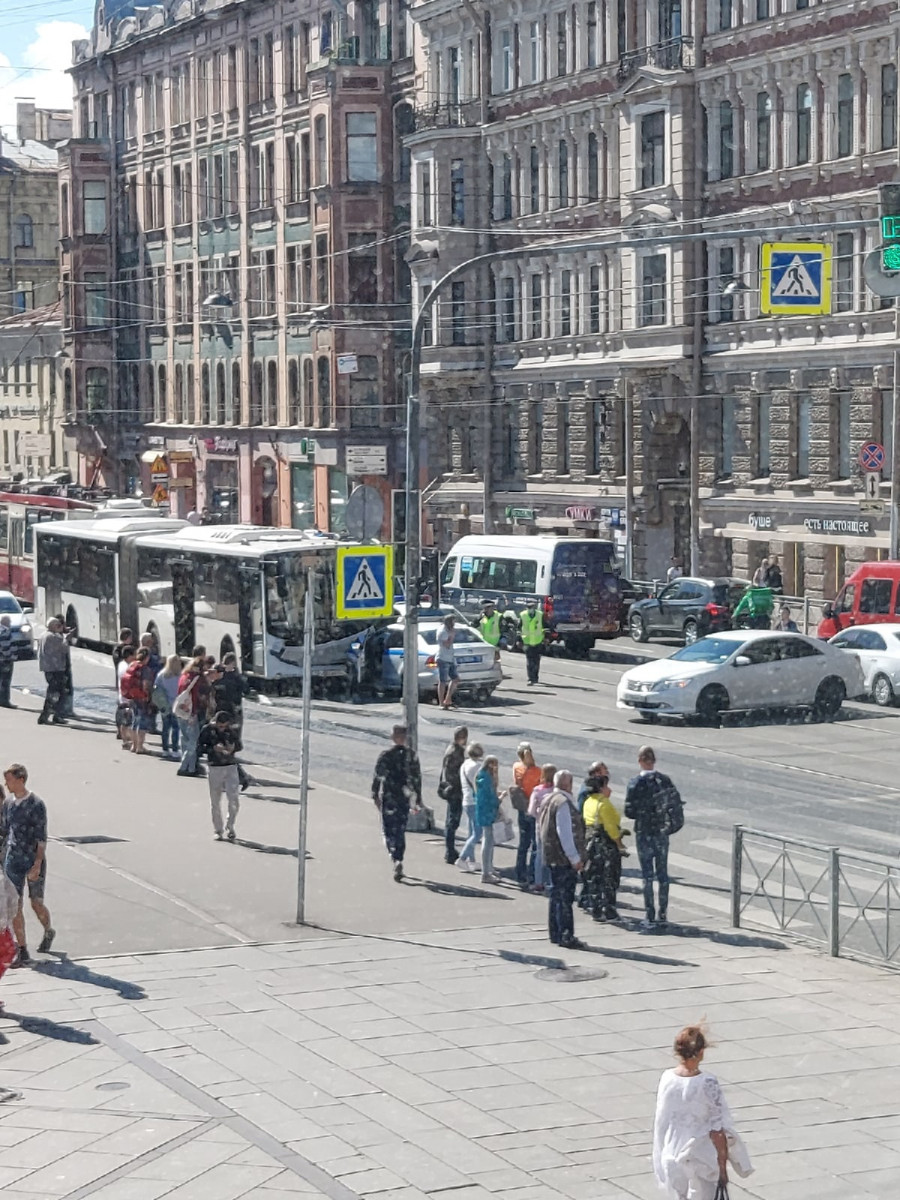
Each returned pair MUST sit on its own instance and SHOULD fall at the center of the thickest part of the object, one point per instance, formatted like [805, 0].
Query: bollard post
[834, 902]
[737, 857]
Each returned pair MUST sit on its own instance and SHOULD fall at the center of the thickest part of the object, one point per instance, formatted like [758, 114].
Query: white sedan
[743, 669]
[878, 650]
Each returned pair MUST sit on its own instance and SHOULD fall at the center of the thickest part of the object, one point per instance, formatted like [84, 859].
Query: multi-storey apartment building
[31, 435]
[557, 384]
[233, 228]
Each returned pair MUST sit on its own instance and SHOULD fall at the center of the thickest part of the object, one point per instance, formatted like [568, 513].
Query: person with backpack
[137, 686]
[652, 801]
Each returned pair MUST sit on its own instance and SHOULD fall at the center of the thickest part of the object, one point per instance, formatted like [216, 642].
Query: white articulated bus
[239, 588]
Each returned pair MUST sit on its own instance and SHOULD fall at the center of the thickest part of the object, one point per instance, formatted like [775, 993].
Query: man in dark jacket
[397, 780]
[219, 742]
[228, 692]
[563, 843]
[644, 805]
[450, 789]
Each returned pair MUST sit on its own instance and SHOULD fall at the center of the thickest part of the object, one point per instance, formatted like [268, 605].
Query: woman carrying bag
[694, 1138]
[487, 809]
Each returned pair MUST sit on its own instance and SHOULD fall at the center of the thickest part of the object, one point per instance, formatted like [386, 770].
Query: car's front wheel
[883, 691]
[711, 703]
[830, 695]
[637, 628]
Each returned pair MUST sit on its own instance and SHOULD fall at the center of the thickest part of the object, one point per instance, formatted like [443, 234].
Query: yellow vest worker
[489, 626]
[532, 625]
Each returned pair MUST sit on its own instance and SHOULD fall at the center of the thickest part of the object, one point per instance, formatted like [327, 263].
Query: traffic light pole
[609, 239]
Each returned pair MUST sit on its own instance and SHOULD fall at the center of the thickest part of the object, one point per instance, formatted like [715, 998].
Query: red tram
[19, 513]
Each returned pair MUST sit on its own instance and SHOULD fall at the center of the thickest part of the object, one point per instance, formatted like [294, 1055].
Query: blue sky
[35, 41]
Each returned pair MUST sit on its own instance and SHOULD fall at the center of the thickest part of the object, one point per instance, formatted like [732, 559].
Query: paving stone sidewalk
[454, 1066]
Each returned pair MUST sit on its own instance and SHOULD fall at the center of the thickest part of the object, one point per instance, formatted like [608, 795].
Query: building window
[535, 51]
[453, 76]
[726, 140]
[308, 391]
[566, 324]
[594, 302]
[458, 313]
[362, 270]
[593, 167]
[801, 436]
[96, 300]
[843, 273]
[24, 232]
[762, 10]
[804, 123]
[591, 33]
[323, 382]
[563, 166]
[234, 404]
[763, 131]
[534, 179]
[295, 406]
[506, 60]
[323, 273]
[320, 131]
[845, 445]
[362, 149]
[726, 276]
[653, 149]
[537, 436]
[94, 200]
[888, 106]
[726, 14]
[596, 418]
[426, 198]
[96, 390]
[506, 185]
[728, 432]
[653, 290]
[763, 436]
[457, 193]
[270, 415]
[563, 414]
[508, 309]
[562, 42]
[536, 329]
[24, 295]
[845, 108]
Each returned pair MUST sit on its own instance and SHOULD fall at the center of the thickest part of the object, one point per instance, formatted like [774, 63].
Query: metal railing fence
[843, 899]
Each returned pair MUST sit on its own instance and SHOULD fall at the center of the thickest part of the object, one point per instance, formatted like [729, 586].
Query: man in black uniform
[397, 780]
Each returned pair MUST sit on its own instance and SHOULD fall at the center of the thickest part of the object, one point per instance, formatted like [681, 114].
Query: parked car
[871, 596]
[376, 662]
[686, 608]
[743, 670]
[20, 620]
[878, 650]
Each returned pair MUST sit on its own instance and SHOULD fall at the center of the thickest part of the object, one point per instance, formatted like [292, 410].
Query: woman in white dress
[694, 1138]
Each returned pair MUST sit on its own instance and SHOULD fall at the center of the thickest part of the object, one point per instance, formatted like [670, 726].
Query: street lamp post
[610, 240]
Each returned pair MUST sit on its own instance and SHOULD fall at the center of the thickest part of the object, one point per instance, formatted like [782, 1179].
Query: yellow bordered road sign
[795, 278]
[365, 582]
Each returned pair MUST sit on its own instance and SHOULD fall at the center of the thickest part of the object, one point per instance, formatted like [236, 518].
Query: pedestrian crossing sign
[795, 278]
[365, 582]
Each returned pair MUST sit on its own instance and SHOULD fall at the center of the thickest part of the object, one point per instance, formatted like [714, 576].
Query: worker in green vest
[489, 625]
[532, 626]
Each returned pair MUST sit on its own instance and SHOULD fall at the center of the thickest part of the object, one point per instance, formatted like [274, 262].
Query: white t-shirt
[120, 671]
[467, 773]
[445, 637]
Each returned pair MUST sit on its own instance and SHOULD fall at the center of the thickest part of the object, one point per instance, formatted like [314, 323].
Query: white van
[575, 580]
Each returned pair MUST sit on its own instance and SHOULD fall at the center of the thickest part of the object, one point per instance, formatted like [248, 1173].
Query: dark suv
[686, 608]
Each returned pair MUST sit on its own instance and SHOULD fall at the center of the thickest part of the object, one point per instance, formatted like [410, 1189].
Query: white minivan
[575, 580]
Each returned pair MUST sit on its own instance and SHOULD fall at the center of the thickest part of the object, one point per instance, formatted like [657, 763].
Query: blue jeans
[169, 731]
[562, 898]
[190, 732]
[653, 855]
[487, 851]
[475, 831]
[526, 850]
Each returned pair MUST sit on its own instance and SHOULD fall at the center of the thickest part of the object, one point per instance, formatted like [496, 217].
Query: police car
[377, 661]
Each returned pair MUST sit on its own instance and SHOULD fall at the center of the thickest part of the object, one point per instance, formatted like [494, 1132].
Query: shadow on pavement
[66, 968]
[531, 960]
[656, 960]
[726, 939]
[455, 889]
[261, 848]
[44, 1027]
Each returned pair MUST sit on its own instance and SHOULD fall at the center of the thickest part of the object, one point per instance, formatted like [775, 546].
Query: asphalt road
[160, 883]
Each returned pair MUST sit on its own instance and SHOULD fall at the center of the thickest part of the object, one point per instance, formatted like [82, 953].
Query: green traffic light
[890, 258]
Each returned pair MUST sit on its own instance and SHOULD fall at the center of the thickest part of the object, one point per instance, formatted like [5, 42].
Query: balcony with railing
[676, 54]
[465, 114]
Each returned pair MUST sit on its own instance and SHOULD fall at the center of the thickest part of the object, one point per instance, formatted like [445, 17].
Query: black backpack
[669, 804]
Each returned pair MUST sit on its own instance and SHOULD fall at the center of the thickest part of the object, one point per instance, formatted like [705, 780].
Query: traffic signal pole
[607, 239]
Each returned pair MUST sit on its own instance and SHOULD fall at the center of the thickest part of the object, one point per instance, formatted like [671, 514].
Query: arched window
[24, 231]
[563, 164]
[205, 390]
[763, 131]
[178, 398]
[308, 390]
[159, 407]
[804, 123]
[234, 406]
[189, 396]
[271, 414]
[219, 415]
[256, 393]
[323, 382]
[294, 404]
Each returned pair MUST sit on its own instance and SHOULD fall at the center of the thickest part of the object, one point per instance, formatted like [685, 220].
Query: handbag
[183, 708]
[160, 700]
[503, 830]
[518, 798]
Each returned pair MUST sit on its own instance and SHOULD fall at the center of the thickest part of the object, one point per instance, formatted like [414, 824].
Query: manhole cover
[89, 839]
[114, 1085]
[571, 974]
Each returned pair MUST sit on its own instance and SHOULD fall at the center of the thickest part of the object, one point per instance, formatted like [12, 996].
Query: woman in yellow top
[603, 866]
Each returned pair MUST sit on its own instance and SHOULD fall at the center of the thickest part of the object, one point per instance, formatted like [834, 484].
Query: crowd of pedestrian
[562, 834]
